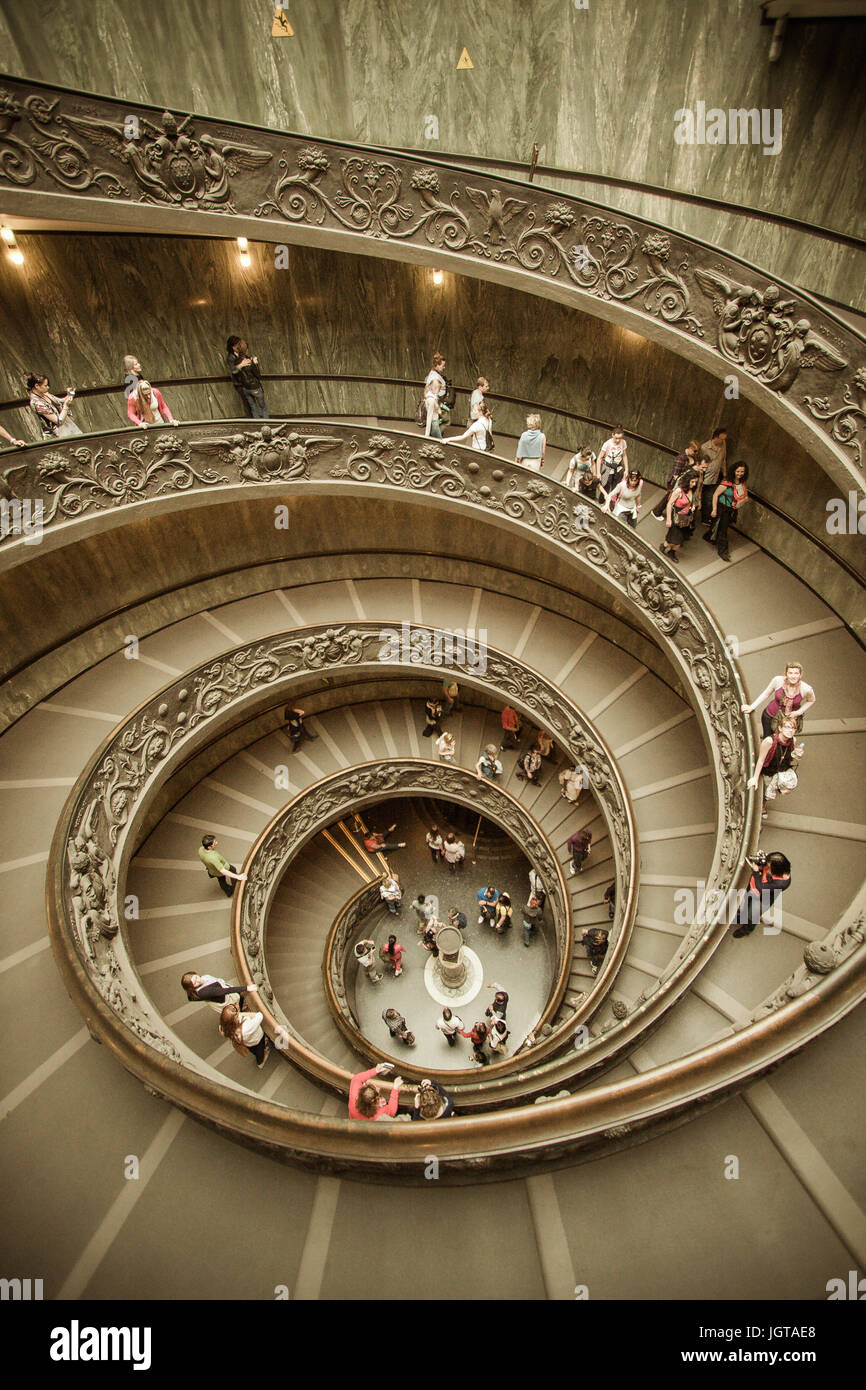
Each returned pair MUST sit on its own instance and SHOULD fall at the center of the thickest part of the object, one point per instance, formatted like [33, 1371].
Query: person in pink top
[791, 696]
[366, 1101]
[146, 406]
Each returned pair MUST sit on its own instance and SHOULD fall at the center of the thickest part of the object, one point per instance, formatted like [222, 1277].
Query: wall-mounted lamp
[243, 244]
[246, 260]
[438, 277]
[8, 235]
[16, 257]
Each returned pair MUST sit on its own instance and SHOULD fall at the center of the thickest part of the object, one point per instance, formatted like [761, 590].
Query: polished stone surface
[596, 88]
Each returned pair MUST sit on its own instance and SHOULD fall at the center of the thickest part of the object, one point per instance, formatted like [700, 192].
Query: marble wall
[81, 301]
[596, 88]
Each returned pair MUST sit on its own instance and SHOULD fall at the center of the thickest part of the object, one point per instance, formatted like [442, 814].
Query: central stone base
[456, 994]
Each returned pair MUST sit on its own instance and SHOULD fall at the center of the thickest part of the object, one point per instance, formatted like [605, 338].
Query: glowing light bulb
[16, 257]
[438, 277]
[243, 244]
[246, 260]
[8, 235]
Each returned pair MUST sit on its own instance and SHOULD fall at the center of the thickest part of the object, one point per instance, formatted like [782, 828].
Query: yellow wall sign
[465, 61]
[281, 28]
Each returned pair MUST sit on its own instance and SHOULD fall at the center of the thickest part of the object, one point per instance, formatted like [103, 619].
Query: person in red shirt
[366, 1101]
[510, 727]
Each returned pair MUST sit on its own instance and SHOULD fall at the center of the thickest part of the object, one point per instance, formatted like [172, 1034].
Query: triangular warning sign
[465, 61]
[281, 28]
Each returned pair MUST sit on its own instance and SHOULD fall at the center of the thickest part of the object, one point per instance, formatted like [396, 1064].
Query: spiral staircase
[577, 1148]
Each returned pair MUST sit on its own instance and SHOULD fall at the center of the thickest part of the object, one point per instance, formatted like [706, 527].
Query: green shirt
[213, 861]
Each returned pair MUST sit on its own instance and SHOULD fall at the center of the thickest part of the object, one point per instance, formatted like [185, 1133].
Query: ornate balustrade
[319, 806]
[74, 156]
[98, 831]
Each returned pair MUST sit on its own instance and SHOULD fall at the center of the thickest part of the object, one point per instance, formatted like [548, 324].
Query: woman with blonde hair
[146, 406]
[791, 695]
[532, 445]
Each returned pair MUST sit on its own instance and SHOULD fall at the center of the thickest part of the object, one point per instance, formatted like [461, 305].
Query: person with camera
[53, 413]
[771, 876]
[366, 1101]
[431, 1102]
[365, 955]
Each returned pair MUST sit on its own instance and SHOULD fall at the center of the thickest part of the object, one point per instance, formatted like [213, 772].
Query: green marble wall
[81, 301]
[596, 88]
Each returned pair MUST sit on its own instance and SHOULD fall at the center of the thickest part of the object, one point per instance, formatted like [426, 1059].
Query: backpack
[449, 400]
[488, 441]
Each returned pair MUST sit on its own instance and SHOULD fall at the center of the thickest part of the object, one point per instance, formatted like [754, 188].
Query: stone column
[450, 962]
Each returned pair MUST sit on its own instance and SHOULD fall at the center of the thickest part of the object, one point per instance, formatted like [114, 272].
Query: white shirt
[433, 841]
[390, 891]
[475, 400]
[454, 851]
[479, 430]
[536, 883]
[434, 383]
[251, 1029]
[625, 498]
[449, 1025]
[446, 747]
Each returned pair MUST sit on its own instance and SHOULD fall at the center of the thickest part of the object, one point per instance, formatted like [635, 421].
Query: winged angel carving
[758, 331]
[173, 164]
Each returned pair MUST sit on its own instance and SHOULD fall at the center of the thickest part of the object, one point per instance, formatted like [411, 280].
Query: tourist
[449, 1026]
[434, 843]
[624, 500]
[365, 955]
[10, 439]
[681, 508]
[480, 430]
[391, 893]
[246, 378]
[477, 1035]
[533, 913]
[511, 726]
[791, 695]
[423, 906]
[453, 852]
[145, 406]
[504, 914]
[225, 873]
[431, 1102]
[476, 400]
[211, 989]
[580, 846]
[729, 498]
[53, 412]
[392, 954]
[132, 374]
[446, 747]
[375, 843]
[449, 696]
[686, 462]
[572, 781]
[428, 939]
[432, 718]
[499, 1006]
[529, 765]
[366, 1101]
[498, 1035]
[770, 877]
[295, 727]
[244, 1031]
[777, 756]
[595, 941]
[544, 743]
[610, 899]
[488, 765]
[532, 445]
[487, 899]
[536, 887]
[613, 459]
[396, 1025]
[457, 918]
[715, 451]
[434, 396]
[581, 474]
